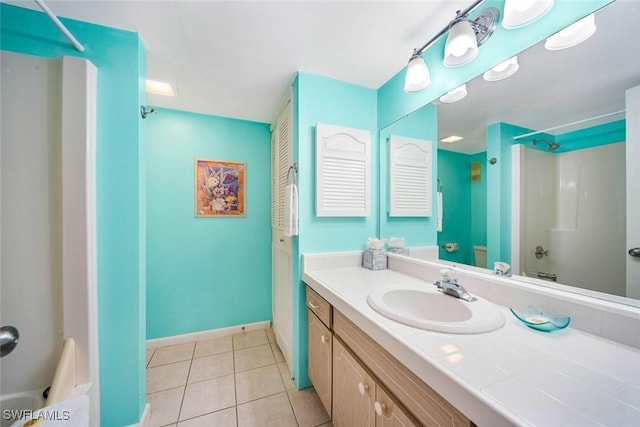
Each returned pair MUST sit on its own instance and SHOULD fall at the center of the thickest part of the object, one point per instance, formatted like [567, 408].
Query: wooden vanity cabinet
[358, 400]
[320, 346]
[361, 384]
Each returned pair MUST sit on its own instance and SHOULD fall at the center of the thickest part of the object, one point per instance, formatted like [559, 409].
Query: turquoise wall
[324, 100]
[394, 103]
[205, 273]
[464, 214]
[594, 136]
[422, 124]
[499, 142]
[119, 57]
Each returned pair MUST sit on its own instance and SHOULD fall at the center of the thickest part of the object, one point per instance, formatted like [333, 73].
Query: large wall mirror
[539, 179]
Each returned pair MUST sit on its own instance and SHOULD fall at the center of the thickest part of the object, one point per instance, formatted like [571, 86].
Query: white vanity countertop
[514, 375]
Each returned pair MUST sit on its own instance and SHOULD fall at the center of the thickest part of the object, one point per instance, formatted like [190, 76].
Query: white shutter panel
[274, 181]
[284, 160]
[343, 171]
[281, 159]
[410, 176]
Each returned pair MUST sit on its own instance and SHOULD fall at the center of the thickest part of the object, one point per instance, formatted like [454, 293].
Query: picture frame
[220, 188]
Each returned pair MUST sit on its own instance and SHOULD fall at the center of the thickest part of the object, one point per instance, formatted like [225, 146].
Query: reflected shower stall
[572, 214]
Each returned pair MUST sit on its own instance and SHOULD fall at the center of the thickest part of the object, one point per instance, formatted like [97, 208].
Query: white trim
[206, 335]
[517, 152]
[79, 247]
[144, 419]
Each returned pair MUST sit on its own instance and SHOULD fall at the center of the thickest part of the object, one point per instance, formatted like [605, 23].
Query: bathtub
[67, 402]
[13, 404]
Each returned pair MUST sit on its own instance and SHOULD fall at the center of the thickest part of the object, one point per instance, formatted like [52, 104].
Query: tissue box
[374, 259]
[400, 251]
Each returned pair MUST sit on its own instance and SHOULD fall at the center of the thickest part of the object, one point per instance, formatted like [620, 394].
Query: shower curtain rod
[60, 25]
[526, 135]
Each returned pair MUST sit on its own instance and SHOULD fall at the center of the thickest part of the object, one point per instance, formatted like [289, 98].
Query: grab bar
[547, 276]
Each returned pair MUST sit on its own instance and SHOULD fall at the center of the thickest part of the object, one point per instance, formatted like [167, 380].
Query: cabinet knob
[380, 408]
[362, 388]
[323, 339]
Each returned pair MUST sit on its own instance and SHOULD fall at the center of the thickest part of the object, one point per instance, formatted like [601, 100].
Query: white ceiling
[237, 58]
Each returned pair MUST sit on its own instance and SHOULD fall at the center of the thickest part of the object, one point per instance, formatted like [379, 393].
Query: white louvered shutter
[281, 159]
[343, 171]
[410, 177]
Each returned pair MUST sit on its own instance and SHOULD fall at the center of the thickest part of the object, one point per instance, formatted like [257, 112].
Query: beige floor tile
[171, 354]
[210, 367]
[271, 336]
[165, 406]
[167, 376]
[250, 339]
[307, 407]
[253, 357]
[258, 383]
[277, 353]
[224, 418]
[213, 346]
[149, 355]
[289, 384]
[272, 411]
[208, 396]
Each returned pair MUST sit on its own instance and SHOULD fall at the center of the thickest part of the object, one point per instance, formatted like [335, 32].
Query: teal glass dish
[536, 319]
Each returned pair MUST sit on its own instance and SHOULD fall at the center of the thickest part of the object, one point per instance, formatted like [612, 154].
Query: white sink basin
[425, 308]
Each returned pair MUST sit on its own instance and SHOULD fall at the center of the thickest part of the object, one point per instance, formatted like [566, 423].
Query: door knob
[634, 252]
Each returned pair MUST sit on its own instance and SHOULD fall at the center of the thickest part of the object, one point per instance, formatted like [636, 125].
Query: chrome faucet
[448, 285]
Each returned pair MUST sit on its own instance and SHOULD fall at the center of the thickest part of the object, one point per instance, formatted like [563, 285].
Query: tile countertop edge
[469, 400]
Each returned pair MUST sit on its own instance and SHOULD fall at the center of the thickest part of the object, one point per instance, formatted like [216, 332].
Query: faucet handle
[447, 274]
[501, 268]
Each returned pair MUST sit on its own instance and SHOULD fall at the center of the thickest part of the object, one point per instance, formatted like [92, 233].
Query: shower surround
[574, 208]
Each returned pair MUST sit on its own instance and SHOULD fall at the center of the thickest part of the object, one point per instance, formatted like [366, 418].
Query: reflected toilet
[480, 256]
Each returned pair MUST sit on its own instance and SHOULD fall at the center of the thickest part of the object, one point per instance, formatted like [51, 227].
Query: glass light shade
[462, 45]
[417, 77]
[503, 70]
[573, 34]
[518, 13]
[455, 95]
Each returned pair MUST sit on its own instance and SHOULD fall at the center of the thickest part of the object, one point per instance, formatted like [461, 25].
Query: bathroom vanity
[370, 370]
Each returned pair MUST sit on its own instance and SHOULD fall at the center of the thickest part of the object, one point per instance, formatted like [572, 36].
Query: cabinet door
[353, 391]
[388, 413]
[320, 345]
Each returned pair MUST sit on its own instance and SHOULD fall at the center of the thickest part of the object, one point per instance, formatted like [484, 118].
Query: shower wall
[31, 285]
[574, 206]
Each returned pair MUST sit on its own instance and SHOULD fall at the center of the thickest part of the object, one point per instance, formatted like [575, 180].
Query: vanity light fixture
[451, 139]
[465, 35]
[417, 77]
[455, 95]
[502, 70]
[157, 87]
[518, 13]
[573, 34]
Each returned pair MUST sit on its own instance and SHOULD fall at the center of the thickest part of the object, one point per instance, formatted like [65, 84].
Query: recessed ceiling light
[451, 139]
[160, 88]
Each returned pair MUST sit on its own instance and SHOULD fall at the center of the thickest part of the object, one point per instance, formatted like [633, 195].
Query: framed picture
[220, 188]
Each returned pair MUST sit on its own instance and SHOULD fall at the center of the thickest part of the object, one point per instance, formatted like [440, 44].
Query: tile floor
[238, 381]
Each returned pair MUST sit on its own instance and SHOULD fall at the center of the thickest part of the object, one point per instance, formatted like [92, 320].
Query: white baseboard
[144, 419]
[206, 335]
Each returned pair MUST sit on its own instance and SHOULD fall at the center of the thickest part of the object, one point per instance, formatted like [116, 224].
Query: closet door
[282, 279]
